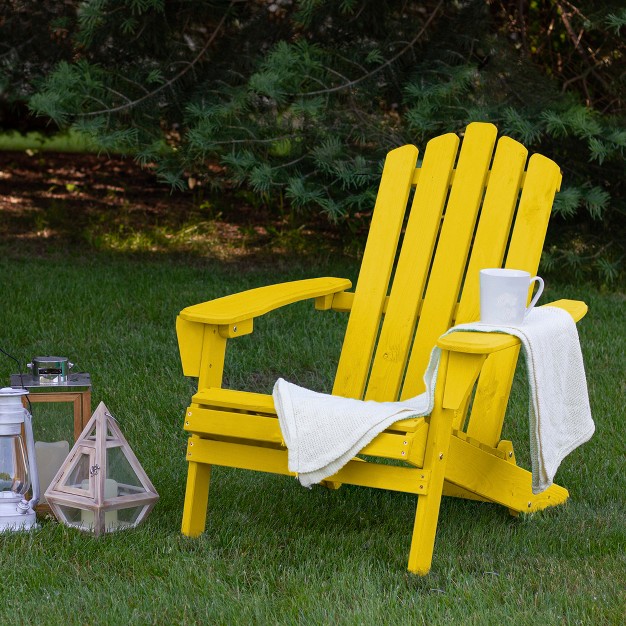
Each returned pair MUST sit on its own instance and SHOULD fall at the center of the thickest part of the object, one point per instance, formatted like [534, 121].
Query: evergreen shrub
[298, 101]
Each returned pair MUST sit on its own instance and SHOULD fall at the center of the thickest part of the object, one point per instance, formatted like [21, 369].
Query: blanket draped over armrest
[323, 432]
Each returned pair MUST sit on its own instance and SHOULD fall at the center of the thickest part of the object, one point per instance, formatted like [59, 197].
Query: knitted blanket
[323, 432]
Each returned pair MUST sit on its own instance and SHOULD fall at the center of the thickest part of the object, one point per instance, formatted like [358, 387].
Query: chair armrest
[254, 302]
[486, 343]
[476, 343]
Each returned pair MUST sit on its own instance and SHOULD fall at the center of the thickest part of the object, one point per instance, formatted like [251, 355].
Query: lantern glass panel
[14, 478]
[53, 421]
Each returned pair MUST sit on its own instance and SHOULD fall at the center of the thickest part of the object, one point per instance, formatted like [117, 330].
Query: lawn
[274, 552]
[95, 266]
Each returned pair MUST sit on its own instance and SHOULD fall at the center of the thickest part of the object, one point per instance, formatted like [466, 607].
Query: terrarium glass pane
[128, 517]
[91, 436]
[88, 520]
[120, 470]
[53, 421]
[78, 478]
[71, 515]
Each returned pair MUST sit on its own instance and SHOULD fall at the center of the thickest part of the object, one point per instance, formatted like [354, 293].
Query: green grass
[273, 551]
[70, 141]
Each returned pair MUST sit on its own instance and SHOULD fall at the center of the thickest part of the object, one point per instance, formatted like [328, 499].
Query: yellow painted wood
[256, 302]
[356, 472]
[543, 180]
[435, 461]
[497, 480]
[228, 424]
[477, 342]
[190, 336]
[250, 457]
[196, 499]
[372, 284]
[266, 429]
[459, 221]
[575, 308]
[325, 303]
[408, 447]
[342, 301]
[496, 451]
[492, 395]
[213, 354]
[454, 491]
[450, 258]
[496, 217]
[408, 425]
[494, 386]
[232, 398]
[463, 370]
[410, 277]
[237, 329]
[377, 476]
[506, 447]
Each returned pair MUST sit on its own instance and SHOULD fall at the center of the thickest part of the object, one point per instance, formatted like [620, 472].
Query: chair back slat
[376, 267]
[450, 260]
[494, 225]
[412, 269]
[542, 181]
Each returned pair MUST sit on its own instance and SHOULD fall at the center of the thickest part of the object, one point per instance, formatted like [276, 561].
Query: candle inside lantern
[110, 517]
[50, 456]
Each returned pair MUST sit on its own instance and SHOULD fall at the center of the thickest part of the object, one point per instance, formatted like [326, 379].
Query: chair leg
[457, 374]
[196, 499]
[427, 514]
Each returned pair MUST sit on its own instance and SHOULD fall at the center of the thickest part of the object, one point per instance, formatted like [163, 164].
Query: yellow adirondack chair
[471, 208]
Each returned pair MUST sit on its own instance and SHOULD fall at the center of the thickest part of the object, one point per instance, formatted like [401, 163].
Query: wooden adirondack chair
[470, 209]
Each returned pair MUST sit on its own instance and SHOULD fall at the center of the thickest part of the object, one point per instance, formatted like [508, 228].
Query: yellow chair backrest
[433, 229]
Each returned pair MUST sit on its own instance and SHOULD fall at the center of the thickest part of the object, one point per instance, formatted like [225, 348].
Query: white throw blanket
[323, 432]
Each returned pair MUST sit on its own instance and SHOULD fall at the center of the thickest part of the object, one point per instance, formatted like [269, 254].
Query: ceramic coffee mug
[503, 296]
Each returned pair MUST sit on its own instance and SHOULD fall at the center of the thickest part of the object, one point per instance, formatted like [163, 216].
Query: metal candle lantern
[50, 369]
[53, 383]
[18, 466]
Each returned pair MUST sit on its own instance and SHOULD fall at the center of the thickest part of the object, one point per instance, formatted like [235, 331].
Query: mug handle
[537, 295]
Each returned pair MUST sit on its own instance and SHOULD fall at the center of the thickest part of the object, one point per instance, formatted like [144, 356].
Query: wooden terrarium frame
[101, 487]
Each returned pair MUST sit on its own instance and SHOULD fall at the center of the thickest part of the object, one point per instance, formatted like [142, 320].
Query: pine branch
[172, 80]
[387, 63]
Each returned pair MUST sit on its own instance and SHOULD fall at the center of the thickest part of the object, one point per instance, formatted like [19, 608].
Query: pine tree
[298, 101]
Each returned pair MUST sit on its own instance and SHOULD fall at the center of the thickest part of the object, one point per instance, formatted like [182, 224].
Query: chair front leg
[196, 497]
[457, 374]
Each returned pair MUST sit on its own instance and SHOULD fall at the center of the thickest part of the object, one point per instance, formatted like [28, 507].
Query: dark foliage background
[298, 101]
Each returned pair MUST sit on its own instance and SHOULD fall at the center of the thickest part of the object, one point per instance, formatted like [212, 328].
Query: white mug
[503, 296]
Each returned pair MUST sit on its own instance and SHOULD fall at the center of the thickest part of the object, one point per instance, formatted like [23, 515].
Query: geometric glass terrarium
[101, 487]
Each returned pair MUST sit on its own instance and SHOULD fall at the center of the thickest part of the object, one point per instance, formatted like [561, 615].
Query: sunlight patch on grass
[70, 141]
[210, 238]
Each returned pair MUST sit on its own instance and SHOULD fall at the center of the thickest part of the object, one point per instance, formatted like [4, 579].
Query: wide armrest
[486, 343]
[254, 302]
